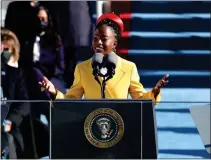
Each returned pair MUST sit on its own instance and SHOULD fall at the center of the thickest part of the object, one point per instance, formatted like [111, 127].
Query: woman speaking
[125, 80]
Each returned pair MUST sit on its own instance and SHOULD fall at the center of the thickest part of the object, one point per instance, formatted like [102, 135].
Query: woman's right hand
[46, 84]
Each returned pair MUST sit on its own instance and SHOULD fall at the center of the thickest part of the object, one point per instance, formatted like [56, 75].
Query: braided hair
[111, 24]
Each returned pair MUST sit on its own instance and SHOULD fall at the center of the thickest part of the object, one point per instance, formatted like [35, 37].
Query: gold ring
[42, 89]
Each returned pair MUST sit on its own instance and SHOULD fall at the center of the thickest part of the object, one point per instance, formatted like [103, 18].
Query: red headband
[113, 17]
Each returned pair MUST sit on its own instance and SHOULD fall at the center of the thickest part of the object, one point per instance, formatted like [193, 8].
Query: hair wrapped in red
[106, 18]
[113, 17]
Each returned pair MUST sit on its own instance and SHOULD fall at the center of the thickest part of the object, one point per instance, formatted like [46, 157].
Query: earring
[114, 50]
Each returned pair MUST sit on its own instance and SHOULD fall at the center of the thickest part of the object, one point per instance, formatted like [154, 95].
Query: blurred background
[161, 38]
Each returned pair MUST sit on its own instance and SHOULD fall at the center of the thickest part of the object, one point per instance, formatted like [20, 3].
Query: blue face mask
[6, 56]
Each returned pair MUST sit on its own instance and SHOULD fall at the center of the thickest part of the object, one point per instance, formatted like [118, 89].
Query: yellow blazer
[124, 82]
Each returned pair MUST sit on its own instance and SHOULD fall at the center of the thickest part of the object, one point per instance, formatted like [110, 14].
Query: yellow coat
[124, 82]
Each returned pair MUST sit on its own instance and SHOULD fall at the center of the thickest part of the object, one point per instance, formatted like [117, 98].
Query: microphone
[111, 62]
[104, 66]
[97, 62]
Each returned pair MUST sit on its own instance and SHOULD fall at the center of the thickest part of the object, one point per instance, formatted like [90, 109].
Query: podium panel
[104, 129]
[201, 117]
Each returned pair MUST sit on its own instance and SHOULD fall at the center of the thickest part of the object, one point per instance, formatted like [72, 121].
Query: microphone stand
[103, 88]
[103, 85]
[96, 73]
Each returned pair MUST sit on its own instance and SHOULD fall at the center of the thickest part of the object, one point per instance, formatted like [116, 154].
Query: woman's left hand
[162, 82]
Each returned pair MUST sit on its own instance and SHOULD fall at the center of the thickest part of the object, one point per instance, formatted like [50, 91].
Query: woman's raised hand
[47, 85]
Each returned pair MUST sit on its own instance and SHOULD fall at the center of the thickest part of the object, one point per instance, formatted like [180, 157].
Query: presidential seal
[104, 128]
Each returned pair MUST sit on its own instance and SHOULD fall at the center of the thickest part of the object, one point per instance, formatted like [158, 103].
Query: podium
[103, 129]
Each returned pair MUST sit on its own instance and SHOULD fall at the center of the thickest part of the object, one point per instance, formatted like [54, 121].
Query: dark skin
[104, 42]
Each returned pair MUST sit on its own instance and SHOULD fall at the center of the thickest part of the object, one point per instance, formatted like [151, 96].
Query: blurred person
[30, 134]
[125, 80]
[78, 40]
[75, 35]
[43, 55]
[44, 50]
[37, 58]
[18, 18]
[12, 88]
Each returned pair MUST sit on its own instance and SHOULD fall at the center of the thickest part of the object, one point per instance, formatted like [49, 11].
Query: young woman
[126, 79]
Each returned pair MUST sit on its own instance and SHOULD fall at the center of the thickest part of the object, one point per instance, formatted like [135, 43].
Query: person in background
[18, 19]
[75, 35]
[12, 88]
[31, 136]
[42, 55]
[22, 18]
[126, 79]
[44, 51]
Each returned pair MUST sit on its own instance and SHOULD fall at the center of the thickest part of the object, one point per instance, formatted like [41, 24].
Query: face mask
[6, 56]
[43, 25]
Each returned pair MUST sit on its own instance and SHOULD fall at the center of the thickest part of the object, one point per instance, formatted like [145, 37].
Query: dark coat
[19, 19]
[51, 62]
[13, 88]
[51, 65]
[24, 127]
[76, 30]
[75, 27]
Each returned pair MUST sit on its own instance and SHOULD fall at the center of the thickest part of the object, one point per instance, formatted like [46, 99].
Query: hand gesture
[162, 82]
[47, 85]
